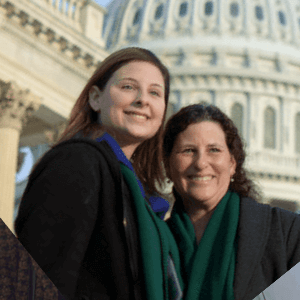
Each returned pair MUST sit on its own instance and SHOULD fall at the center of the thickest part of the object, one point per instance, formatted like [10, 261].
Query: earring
[232, 179]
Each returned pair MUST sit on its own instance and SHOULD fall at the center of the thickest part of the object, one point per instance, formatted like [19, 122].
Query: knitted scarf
[158, 247]
[209, 267]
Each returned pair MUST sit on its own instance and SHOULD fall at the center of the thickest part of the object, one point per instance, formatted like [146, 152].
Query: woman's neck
[128, 147]
[200, 222]
[199, 216]
[129, 150]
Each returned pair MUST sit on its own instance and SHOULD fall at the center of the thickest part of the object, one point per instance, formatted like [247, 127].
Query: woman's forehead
[204, 131]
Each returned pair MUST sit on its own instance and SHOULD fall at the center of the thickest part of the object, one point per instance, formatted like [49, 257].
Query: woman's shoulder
[264, 224]
[273, 217]
[84, 146]
[79, 150]
[248, 203]
[76, 157]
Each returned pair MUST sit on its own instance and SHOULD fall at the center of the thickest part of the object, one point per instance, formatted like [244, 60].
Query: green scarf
[157, 243]
[209, 267]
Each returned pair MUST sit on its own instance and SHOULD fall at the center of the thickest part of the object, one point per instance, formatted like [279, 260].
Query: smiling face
[201, 165]
[132, 103]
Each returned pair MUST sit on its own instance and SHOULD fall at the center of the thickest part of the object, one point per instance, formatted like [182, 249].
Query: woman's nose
[200, 161]
[141, 98]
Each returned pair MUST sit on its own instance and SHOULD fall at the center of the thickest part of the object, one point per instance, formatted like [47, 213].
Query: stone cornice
[216, 71]
[69, 42]
[235, 83]
[274, 177]
[16, 105]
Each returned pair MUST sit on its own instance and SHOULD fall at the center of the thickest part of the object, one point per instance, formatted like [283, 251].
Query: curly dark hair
[197, 113]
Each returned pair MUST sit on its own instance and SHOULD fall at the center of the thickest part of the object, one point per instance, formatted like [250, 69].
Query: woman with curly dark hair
[232, 246]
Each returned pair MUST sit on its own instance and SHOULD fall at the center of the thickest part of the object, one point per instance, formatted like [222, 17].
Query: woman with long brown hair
[83, 216]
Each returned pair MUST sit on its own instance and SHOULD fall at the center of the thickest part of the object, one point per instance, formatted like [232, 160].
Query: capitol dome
[258, 24]
[241, 55]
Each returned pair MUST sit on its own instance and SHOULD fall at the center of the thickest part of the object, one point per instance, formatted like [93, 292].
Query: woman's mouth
[201, 178]
[138, 116]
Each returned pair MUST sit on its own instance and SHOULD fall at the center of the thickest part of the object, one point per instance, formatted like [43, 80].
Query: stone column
[16, 105]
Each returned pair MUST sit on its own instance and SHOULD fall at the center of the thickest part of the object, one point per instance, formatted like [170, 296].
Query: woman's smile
[202, 179]
[137, 116]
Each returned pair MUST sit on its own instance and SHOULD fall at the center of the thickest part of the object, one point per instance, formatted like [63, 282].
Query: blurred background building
[241, 55]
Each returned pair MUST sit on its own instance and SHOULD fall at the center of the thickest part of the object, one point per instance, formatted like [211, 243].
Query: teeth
[138, 116]
[201, 178]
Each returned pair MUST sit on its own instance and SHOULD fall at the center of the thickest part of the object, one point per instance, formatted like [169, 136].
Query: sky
[103, 2]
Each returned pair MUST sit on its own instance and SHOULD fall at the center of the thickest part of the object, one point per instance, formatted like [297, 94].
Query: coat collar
[252, 235]
[158, 204]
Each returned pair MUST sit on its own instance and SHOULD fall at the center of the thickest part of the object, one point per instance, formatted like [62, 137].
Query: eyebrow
[215, 145]
[132, 79]
[209, 145]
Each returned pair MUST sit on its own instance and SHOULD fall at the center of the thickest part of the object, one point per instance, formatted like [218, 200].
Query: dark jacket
[20, 276]
[82, 246]
[268, 246]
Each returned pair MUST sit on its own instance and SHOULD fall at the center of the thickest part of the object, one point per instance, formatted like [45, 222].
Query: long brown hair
[147, 157]
[197, 113]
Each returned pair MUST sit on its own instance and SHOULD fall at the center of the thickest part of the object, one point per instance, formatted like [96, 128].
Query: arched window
[270, 128]
[282, 18]
[159, 11]
[297, 133]
[209, 8]
[234, 9]
[259, 13]
[137, 16]
[237, 115]
[183, 9]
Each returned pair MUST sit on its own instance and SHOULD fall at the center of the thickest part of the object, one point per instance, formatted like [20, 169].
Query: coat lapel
[253, 232]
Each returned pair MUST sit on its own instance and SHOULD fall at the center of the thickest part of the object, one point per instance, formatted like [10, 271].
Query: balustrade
[69, 10]
[271, 161]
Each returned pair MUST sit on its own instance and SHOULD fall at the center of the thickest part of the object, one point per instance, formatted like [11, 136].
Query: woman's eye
[188, 150]
[214, 150]
[155, 93]
[127, 87]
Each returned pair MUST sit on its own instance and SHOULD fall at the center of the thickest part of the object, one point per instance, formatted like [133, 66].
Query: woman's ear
[95, 98]
[233, 165]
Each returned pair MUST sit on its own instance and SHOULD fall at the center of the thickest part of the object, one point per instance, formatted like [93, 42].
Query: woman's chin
[139, 136]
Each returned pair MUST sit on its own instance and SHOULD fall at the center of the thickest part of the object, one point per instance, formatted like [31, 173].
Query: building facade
[241, 55]
[48, 51]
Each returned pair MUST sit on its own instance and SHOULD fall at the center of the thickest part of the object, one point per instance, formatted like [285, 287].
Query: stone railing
[68, 8]
[68, 12]
[68, 27]
[271, 162]
[77, 17]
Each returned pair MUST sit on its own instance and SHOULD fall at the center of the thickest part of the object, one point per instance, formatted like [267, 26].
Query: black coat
[61, 207]
[268, 246]
[62, 224]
